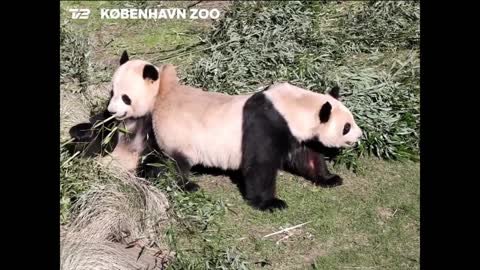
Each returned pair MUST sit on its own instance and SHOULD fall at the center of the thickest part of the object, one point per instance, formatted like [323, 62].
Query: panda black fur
[264, 136]
[256, 134]
[126, 148]
[279, 150]
[88, 140]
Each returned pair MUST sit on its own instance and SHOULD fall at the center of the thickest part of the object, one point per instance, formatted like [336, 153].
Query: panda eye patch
[346, 128]
[126, 99]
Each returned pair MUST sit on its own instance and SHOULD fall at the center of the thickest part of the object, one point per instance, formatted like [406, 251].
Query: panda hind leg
[183, 168]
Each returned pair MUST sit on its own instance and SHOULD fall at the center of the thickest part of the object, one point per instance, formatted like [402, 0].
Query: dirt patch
[386, 213]
[72, 111]
[313, 254]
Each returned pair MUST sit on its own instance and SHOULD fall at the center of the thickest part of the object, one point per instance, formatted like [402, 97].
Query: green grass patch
[152, 40]
[76, 177]
[370, 221]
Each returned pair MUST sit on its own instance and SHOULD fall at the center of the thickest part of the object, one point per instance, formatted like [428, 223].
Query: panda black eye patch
[346, 128]
[126, 99]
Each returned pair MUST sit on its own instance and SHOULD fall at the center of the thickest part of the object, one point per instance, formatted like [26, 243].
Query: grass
[369, 49]
[371, 221]
[142, 39]
[77, 176]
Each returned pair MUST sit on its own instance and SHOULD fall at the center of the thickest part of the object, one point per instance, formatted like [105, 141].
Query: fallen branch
[69, 159]
[284, 238]
[359, 267]
[177, 49]
[203, 49]
[194, 4]
[108, 43]
[287, 229]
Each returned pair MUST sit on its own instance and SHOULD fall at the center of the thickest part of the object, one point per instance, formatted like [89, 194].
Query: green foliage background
[370, 51]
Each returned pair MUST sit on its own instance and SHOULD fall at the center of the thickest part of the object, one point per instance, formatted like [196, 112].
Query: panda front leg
[323, 176]
[88, 140]
[312, 166]
[183, 168]
[85, 139]
[260, 184]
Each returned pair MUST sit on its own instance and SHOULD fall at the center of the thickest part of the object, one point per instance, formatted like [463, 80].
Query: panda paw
[272, 205]
[191, 187]
[82, 132]
[331, 181]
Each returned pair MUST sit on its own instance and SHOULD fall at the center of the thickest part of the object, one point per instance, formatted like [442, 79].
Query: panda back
[205, 127]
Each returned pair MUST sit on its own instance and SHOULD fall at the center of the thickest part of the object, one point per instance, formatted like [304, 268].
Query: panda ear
[335, 92]
[124, 58]
[150, 72]
[325, 112]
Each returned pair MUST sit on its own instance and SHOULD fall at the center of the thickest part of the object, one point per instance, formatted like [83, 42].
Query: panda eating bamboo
[256, 134]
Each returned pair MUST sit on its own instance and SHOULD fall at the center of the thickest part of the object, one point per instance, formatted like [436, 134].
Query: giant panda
[135, 140]
[142, 76]
[255, 134]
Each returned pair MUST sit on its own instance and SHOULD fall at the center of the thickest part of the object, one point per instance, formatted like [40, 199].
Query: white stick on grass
[287, 229]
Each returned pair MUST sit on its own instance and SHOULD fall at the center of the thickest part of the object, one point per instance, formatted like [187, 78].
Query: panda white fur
[255, 134]
[137, 138]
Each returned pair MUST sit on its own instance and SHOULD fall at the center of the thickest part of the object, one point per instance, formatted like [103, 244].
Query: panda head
[337, 127]
[134, 87]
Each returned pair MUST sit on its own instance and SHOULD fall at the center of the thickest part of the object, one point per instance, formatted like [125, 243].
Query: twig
[177, 49]
[108, 43]
[67, 142]
[68, 160]
[283, 238]
[103, 122]
[229, 209]
[359, 267]
[287, 229]
[203, 49]
[403, 65]
[194, 4]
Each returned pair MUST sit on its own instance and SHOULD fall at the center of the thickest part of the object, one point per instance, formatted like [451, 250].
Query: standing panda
[255, 134]
[143, 76]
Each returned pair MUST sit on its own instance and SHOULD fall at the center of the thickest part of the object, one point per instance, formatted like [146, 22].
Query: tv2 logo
[80, 13]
